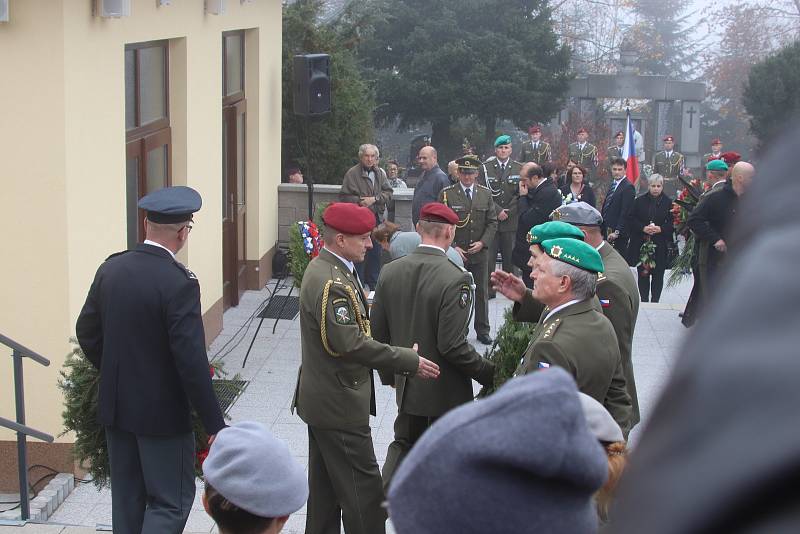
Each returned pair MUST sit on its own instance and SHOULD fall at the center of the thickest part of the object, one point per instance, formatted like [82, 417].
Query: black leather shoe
[485, 339]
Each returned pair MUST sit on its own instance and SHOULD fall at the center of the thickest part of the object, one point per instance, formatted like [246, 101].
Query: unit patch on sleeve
[465, 296]
[342, 311]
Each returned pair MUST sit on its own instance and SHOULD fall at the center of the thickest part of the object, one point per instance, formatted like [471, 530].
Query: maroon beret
[582, 130]
[436, 212]
[534, 129]
[349, 218]
[716, 141]
[668, 138]
[731, 157]
[619, 133]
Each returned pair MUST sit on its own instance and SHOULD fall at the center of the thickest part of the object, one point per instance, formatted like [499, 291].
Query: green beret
[716, 165]
[577, 253]
[502, 140]
[553, 230]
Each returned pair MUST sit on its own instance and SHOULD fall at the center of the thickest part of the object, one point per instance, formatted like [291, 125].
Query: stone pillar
[663, 123]
[587, 113]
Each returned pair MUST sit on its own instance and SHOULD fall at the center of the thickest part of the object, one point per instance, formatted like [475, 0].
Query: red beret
[349, 218]
[582, 130]
[534, 129]
[668, 138]
[620, 133]
[731, 157]
[716, 141]
[436, 212]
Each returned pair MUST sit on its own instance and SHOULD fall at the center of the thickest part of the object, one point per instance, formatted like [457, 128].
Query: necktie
[535, 146]
[613, 188]
[468, 191]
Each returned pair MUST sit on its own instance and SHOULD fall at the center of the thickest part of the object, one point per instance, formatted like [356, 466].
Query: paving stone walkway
[272, 370]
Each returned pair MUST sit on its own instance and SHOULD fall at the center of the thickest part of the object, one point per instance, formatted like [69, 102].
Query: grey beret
[521, 460]
[577, 213]
[255, 471]
[600, 422]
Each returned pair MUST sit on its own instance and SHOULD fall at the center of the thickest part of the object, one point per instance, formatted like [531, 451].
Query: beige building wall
[62, 160]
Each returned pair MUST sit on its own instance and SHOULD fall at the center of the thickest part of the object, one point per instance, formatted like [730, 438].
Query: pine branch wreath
[507, 350]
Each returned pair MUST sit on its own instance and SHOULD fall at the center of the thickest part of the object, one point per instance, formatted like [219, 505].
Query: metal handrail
[19, 351]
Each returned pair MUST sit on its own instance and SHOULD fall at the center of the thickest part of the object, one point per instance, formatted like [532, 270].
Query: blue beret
[171, 204]
[502, 140]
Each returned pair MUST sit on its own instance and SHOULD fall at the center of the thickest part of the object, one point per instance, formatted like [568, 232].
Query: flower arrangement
[79, 381]
[687, 199]
[647, 257]
[568, 199]
[305, 242]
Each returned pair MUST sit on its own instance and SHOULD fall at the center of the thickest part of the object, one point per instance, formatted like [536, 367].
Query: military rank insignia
[465, 296]
[342, 312]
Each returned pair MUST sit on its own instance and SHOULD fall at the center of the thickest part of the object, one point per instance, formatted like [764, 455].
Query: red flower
[211, 371]
[201, 457]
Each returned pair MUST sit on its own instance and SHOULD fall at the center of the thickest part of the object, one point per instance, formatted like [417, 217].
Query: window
[147, 131]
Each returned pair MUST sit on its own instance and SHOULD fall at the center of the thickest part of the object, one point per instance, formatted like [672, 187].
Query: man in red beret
[669, 164]
[535, 149]
[334, 394]
[716, 151]
[615, 150]
[425, 298]
[584, 153]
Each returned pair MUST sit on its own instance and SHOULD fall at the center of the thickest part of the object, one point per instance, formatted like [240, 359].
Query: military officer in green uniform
[584, 153]
[616, 288]
[716, 151]
[534, 149]
[334, 394]
[501, 175]
[615, 151]
[475, 231]
[427, 299]
[669, 164]
[588, 348]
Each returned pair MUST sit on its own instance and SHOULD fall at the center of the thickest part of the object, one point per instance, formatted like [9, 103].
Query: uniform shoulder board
[517, 162]
[550, 329]
[189, 274]
[450, 186]
[482, 186]
[117, 254]
[490, 159]
[601, 277]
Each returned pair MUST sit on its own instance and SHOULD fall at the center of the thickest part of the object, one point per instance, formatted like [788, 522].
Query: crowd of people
[543, 453]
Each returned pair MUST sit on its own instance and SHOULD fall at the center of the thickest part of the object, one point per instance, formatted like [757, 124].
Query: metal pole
[22, 447]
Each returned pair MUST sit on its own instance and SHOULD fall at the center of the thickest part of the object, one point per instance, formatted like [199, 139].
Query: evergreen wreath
[79, 381]
[507, 350]
[299, 254]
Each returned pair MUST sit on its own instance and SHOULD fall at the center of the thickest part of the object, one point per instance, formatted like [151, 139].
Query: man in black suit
[141, 327]
[538, 197]
[617, 207]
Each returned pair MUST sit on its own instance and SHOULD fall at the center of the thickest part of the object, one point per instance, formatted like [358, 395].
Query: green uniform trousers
[407, 430]
[504, 242]
[479, 267]
[344, 483]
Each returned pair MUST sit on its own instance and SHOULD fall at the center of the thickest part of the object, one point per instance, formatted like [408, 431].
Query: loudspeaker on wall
[312, 84]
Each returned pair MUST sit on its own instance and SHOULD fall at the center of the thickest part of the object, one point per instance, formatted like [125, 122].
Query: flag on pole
[629, 153]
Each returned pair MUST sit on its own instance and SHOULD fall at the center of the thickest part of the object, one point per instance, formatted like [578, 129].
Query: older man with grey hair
[571, 332]
[366, 184]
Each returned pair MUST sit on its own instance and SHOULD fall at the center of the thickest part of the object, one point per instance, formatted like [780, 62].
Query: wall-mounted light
[112, 8]
[215, 7]
[160, 3]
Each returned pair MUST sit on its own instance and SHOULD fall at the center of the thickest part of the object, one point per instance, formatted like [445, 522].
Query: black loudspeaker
[312, 84]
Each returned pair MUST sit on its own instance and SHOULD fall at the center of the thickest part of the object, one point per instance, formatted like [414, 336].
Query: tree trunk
[442, 141]
[489, 123]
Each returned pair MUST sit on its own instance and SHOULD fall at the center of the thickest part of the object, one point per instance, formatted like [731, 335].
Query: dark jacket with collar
[425, 298]
[335, 382]
[617, 207]
[141, 326]
[427, 190]
[534, 208]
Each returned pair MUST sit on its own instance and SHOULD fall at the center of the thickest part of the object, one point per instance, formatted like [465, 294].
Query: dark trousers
[503, 242]
[479, 269]
[152, 481]
[621, 244]
[407, 430]
[369, 269]
[344, 483]
[651, 284]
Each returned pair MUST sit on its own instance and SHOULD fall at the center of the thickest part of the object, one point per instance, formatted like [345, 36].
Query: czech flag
[629, 153]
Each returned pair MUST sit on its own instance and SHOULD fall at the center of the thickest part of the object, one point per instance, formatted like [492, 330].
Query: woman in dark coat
[651, 220]
[577, 188]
